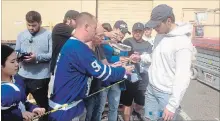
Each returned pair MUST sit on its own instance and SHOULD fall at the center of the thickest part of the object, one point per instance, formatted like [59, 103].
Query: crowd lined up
[80, 57]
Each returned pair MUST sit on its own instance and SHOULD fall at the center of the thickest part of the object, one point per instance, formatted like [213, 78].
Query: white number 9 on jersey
[96, 66]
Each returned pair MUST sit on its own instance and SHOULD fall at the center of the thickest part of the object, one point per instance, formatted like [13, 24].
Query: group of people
[68, 66]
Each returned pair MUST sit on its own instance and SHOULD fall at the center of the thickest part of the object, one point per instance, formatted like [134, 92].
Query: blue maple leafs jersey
[12, 97]
[76, 65]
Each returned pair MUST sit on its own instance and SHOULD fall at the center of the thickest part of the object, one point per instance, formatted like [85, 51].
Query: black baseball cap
[72, 14]
[120, 24]
[138, 26]
[146, 26]
[159, 14]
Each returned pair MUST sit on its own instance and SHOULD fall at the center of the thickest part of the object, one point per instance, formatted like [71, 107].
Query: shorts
[132, 93]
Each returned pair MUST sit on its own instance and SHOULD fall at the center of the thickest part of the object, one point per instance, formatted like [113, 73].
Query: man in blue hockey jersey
[76, 66]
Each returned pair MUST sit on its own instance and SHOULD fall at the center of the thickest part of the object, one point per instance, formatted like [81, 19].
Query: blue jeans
[113, 94]
[80, 117]
[92, 105]
[156, 101]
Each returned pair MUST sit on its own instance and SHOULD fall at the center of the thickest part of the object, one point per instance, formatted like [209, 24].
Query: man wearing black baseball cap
[135, 89]
[162, 19]
[114, 93]
[120, 29]
[169, 73]
[122, 26]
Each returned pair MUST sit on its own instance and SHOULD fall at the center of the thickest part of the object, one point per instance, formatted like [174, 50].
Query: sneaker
[141, 118]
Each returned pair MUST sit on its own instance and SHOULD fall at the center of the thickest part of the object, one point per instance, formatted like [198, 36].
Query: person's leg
[75, 119]
[113, 100]
[41, 96]
[126, 113]
[90, 105]
[95, 115]
[127, 97]
[126, 101]
[102, 97]
[139, 100]
[82, 117]
[163, 99]
[151, 103]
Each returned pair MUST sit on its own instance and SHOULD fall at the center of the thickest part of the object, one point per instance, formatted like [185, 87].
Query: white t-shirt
[149, 39]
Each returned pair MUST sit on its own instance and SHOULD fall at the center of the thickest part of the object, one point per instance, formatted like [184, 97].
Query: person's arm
[18, 43]
[109, 41]
[149, 48]
[34, 108]
[111, 34]
[104, 61]
[29, 106]
[98, 70]
[122, 57]
[145, 58]
[103, 72]
[46, 57]
[9, 96]
[127, 42]
[114, 59]
[182, 78]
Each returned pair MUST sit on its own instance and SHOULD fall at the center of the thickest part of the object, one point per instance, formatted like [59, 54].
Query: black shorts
[132, 94]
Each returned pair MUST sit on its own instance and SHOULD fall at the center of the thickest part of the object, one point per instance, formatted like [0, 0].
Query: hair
[33, 16]
[107, 27]
[172, 17]
[6, 51]
[70, 14]
[84, 18]
[65, 20]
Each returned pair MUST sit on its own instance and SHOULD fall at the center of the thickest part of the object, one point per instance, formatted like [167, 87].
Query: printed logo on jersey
[96, 66]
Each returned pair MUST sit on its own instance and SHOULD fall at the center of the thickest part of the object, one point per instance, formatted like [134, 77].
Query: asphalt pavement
[201, 102]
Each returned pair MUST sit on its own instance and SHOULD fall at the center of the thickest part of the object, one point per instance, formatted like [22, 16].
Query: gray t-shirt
[143, 46]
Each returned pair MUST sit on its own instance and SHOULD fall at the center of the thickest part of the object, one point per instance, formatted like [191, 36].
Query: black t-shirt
[60, 34]
[96, 83]
[143, 46]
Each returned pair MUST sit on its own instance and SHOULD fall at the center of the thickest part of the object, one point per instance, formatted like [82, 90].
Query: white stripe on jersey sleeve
[13, 86]
[110, 71]
[104, 71]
